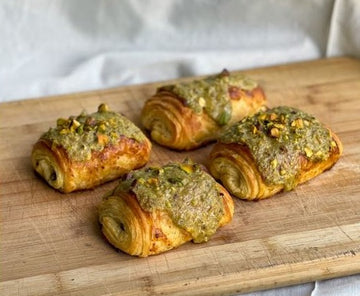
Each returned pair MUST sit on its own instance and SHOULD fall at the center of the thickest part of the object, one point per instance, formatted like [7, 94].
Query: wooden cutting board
[51, 243]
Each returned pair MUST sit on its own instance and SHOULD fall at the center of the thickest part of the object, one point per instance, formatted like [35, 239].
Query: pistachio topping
[276, 139]
[184, 190]
[212, 94]
[85, 133]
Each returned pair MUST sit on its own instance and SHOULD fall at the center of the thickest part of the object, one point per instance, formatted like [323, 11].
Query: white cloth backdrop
[62, 46]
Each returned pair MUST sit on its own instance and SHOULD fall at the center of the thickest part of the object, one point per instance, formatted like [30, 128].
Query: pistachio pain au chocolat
[273, 150]
[187, 115]
[158, 208]
[83, 151]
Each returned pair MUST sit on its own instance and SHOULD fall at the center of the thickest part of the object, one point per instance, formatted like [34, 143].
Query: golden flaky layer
[236, 168]
[67, 175]
[140, 233]
[176, 126]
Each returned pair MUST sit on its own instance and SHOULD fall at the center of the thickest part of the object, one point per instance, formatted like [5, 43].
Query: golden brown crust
[235, 167]
[67, 175]
[137, 232]
[176, 126]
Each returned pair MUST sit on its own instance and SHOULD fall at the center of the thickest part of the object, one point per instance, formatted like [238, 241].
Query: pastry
[84, 151]
[155, 209]
[188, 115]
[271, 151]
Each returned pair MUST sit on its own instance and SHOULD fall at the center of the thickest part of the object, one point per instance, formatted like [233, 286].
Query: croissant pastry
[156, 209]
[188, 115]
[90, 149]
[271, 151]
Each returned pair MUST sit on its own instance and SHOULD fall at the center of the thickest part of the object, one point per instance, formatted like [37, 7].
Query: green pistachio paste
[81, 135]
[211, 94]
[277, 137]
[185, 191]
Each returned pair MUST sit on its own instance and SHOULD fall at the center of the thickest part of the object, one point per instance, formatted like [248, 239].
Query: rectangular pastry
[156, 209]
[87, 150]
[271, 151]
[188, 115]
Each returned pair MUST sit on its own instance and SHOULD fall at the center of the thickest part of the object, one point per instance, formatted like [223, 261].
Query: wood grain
[51, 243]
